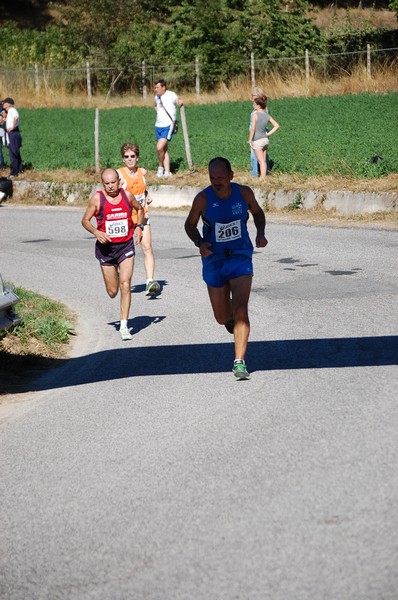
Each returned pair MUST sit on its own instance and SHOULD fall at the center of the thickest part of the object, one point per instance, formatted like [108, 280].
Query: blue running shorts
[218, 271]
[164, 132]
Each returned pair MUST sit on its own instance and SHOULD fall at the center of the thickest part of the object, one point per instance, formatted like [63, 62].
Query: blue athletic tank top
[225, 224]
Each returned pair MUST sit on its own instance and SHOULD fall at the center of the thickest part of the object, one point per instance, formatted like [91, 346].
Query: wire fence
[139, 79]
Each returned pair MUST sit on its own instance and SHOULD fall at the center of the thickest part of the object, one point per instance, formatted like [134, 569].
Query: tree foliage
[394, 6]
[222, 35]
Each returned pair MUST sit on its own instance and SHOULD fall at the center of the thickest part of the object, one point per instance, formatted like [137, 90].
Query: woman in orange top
[132, 178]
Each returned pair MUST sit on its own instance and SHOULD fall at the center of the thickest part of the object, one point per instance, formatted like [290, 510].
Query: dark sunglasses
[129, 156]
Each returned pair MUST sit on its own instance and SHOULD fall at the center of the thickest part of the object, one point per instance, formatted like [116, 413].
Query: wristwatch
[198, 242]
[141, 226]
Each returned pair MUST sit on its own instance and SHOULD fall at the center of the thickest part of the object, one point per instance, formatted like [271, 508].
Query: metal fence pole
[197, 83]
[88, 76]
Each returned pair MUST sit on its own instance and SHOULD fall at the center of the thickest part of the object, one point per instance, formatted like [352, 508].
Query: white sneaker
[2, 196]
[125, 334]
[160, 172]
[168, 174]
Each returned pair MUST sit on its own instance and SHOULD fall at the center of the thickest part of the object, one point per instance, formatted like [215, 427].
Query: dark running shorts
[217, 272]
[114, 254]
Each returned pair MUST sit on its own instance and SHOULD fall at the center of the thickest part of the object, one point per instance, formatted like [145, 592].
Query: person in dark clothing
[3, 115]
[13, 137]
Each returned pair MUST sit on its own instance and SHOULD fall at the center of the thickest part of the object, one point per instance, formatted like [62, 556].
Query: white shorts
[261, 144]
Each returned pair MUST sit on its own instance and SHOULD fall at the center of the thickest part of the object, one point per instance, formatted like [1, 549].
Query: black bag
[6, 187]
[175, 126]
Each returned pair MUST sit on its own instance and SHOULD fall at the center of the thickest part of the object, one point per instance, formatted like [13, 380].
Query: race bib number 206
[226, 232]
[116, 229]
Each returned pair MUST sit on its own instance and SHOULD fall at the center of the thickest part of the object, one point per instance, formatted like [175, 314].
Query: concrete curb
[170, 196]
[342, 202]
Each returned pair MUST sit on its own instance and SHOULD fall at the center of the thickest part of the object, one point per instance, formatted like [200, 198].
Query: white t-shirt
[11, 114]
[169, 100]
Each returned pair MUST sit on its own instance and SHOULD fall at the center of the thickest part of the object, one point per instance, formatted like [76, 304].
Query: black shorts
[114, 253]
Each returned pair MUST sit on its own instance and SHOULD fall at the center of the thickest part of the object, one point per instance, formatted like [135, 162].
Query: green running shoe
[240, 370]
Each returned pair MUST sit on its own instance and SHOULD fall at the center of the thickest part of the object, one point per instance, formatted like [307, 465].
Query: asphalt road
[142, 470]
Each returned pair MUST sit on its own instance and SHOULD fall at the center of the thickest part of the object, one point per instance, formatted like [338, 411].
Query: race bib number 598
[226, 232]
[116, 229]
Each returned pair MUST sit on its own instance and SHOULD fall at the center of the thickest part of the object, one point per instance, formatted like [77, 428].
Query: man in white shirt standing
[165, 105]
[14, 139]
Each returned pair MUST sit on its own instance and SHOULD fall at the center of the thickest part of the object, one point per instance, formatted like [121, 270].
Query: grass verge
[37, 343]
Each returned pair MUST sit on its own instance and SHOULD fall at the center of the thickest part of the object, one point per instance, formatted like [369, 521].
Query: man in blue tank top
[226, 251]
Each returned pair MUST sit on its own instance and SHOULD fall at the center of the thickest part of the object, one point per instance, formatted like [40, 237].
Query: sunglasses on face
[129, 156]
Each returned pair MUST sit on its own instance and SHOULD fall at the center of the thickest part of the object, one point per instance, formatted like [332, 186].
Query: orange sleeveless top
[137, 186]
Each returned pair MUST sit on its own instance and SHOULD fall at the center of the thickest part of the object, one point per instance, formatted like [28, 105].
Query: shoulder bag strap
[165, 109]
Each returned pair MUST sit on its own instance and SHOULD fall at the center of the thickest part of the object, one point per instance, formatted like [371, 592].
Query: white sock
[123, 323]
[149, 281]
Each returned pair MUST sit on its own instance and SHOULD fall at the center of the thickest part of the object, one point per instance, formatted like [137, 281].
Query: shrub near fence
[318, 136]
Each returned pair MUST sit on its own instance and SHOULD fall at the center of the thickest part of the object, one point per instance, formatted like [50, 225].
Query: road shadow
[137, 324]
[190, 359]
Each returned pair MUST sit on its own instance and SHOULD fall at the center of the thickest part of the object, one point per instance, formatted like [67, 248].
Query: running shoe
[125, 334]
[229, 325]
[152, 288]
[167, 174]
[160, 172]
[240, 370]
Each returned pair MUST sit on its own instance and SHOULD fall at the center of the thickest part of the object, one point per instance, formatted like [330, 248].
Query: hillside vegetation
[171, 35]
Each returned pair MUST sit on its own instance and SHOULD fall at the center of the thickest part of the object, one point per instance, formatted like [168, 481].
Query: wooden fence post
[37, 81]
[88, 76]
[186, 138]
[197, 83]
[307, 67]
[252, 69]
[144, 88]
[96, 141]
[368, 67]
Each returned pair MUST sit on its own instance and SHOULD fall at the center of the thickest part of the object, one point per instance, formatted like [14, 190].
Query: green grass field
[327, 135]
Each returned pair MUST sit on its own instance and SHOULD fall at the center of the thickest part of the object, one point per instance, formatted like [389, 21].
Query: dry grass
[383, 80]
[331, 17]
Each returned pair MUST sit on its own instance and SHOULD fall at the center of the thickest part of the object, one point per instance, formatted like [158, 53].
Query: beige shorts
[261, 144]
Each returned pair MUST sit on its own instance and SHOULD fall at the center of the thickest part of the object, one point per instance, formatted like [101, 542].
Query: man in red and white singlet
[112, 207]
